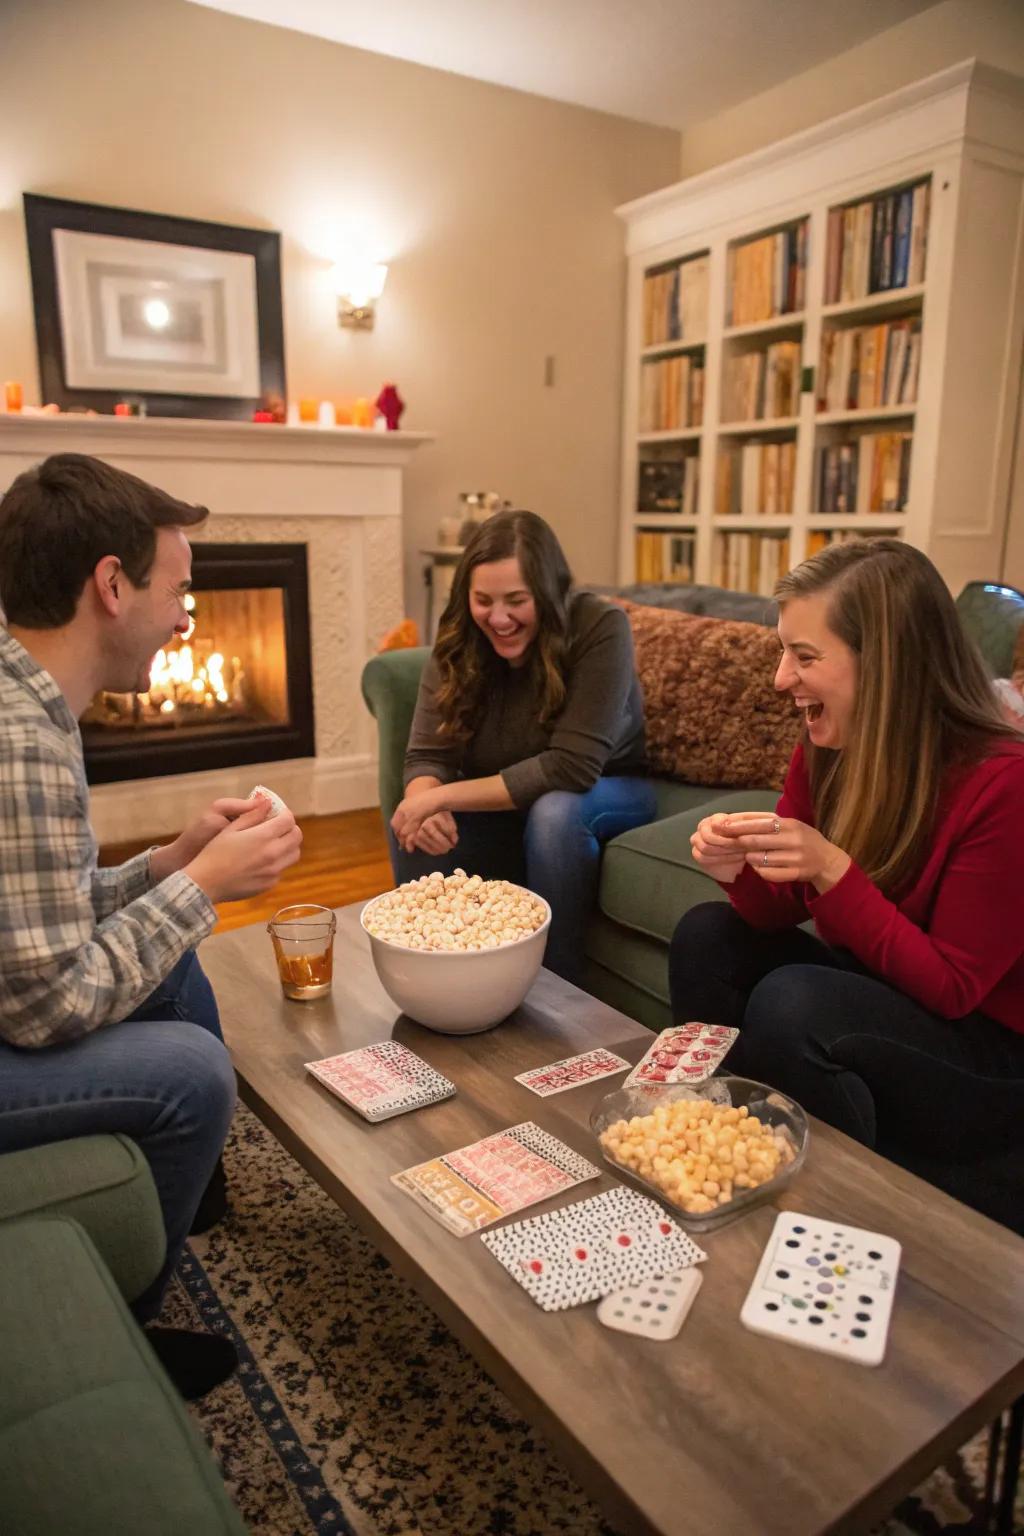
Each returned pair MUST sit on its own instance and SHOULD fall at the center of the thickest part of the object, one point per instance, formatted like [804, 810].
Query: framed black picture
[179, 314]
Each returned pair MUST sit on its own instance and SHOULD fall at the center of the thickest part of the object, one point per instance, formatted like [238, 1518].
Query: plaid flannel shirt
[80, 947]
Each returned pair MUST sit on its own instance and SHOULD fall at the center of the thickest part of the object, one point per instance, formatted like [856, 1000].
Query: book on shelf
[821, 538]
[866, 366]
[671, 393]
[762, 385]
[768, 276]
[668, 483]
[662, 556]
[751, 562]
[871, 474]
[675, 303]
[755, 480]
[877, 245]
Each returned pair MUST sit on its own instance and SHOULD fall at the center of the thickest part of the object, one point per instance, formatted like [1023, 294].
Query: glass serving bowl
[772, 1108]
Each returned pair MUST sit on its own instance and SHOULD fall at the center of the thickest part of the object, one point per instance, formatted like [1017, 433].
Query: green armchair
[94, 1440]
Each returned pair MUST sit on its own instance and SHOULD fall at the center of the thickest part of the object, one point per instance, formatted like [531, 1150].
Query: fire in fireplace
[236, 688]
[193, 681]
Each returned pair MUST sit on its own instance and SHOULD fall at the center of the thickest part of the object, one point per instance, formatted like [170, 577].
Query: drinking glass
[303, 939]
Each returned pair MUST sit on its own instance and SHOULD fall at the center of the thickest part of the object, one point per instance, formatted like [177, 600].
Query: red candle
[122, 408]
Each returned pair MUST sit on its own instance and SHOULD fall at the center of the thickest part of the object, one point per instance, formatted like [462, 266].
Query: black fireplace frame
[230, 567]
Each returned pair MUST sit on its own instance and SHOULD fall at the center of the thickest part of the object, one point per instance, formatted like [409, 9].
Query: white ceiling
[670, 62]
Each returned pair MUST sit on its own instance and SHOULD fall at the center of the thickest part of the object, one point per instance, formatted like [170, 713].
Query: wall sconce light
[358, 284]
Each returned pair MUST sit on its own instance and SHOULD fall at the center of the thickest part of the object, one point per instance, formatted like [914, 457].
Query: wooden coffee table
[719, 1432]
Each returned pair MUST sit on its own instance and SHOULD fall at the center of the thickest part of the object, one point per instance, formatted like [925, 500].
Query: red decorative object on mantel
[391, 405]
[263, 416]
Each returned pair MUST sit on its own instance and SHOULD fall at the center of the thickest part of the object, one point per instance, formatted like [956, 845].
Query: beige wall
[495, 207]
[991, 30]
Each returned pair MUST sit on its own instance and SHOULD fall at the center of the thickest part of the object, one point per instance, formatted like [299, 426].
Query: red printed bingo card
[572, 1072]
[479, 1184]
[686, 1053]
[382, 1080]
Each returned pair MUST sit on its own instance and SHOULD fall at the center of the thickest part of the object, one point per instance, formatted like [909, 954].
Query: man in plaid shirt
[107, 1022]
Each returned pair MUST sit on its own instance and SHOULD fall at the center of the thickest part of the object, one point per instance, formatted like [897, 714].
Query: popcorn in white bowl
[457, 953]
[455, 912]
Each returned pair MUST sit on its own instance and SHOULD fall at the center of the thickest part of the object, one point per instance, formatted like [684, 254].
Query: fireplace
[236, 689]
[335, 494]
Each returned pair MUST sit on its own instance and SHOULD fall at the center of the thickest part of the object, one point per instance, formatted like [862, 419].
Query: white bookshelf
[666, 348]
[961, 134]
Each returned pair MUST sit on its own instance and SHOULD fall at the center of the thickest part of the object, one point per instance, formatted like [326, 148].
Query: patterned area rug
[356, 1413]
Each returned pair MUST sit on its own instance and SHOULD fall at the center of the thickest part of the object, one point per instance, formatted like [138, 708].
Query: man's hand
[176, 855]
[248, 855]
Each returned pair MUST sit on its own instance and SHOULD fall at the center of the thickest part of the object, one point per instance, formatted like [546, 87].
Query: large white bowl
[459, 992]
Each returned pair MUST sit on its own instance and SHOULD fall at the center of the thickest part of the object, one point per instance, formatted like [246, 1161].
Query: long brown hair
[465, 659]
[924, 702]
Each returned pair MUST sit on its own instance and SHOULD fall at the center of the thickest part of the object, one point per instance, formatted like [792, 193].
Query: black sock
[195, 1362]
[214, 1202]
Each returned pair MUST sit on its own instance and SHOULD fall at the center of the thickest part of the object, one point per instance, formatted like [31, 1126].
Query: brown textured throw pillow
[713, 715]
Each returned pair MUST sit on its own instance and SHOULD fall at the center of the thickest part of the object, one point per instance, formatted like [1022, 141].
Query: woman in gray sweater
[527, 747]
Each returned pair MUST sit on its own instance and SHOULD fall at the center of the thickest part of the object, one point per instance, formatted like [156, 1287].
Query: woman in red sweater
[900, 832]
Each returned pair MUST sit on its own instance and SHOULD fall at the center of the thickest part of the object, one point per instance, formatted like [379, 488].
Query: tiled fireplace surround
[340, 493]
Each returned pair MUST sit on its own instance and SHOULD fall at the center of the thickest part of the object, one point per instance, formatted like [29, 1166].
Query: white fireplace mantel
[337, 490]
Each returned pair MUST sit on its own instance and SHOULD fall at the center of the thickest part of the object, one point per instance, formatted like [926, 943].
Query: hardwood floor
[344, 859]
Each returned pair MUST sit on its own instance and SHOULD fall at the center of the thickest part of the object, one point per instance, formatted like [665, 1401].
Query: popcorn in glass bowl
[708, 1152]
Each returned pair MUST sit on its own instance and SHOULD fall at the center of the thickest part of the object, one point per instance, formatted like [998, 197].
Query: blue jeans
[185, 993]
[553, 849]
[162, 1076]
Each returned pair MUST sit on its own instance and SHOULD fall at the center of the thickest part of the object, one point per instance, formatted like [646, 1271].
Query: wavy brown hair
[466, 662]
[924, 703]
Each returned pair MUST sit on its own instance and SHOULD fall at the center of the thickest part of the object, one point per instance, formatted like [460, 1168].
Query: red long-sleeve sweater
[954, 941]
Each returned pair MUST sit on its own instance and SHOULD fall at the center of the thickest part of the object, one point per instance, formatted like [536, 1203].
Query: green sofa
[94, 1439]
[648, 877]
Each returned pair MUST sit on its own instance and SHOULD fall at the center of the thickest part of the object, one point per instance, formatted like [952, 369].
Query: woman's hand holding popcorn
[782, 849]
[715, 853]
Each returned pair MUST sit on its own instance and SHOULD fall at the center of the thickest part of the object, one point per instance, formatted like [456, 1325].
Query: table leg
[1001, 1483]
[1011, 1470]
[995, 1443]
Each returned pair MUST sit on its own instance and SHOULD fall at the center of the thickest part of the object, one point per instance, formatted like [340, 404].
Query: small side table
[440, 561]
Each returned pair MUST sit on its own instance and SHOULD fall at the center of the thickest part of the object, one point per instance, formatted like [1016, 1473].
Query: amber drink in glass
[303, 939]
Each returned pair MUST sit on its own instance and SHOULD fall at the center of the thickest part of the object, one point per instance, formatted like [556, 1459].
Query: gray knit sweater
[599, 729]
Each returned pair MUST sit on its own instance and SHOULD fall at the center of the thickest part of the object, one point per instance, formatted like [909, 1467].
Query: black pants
[942, 1097]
